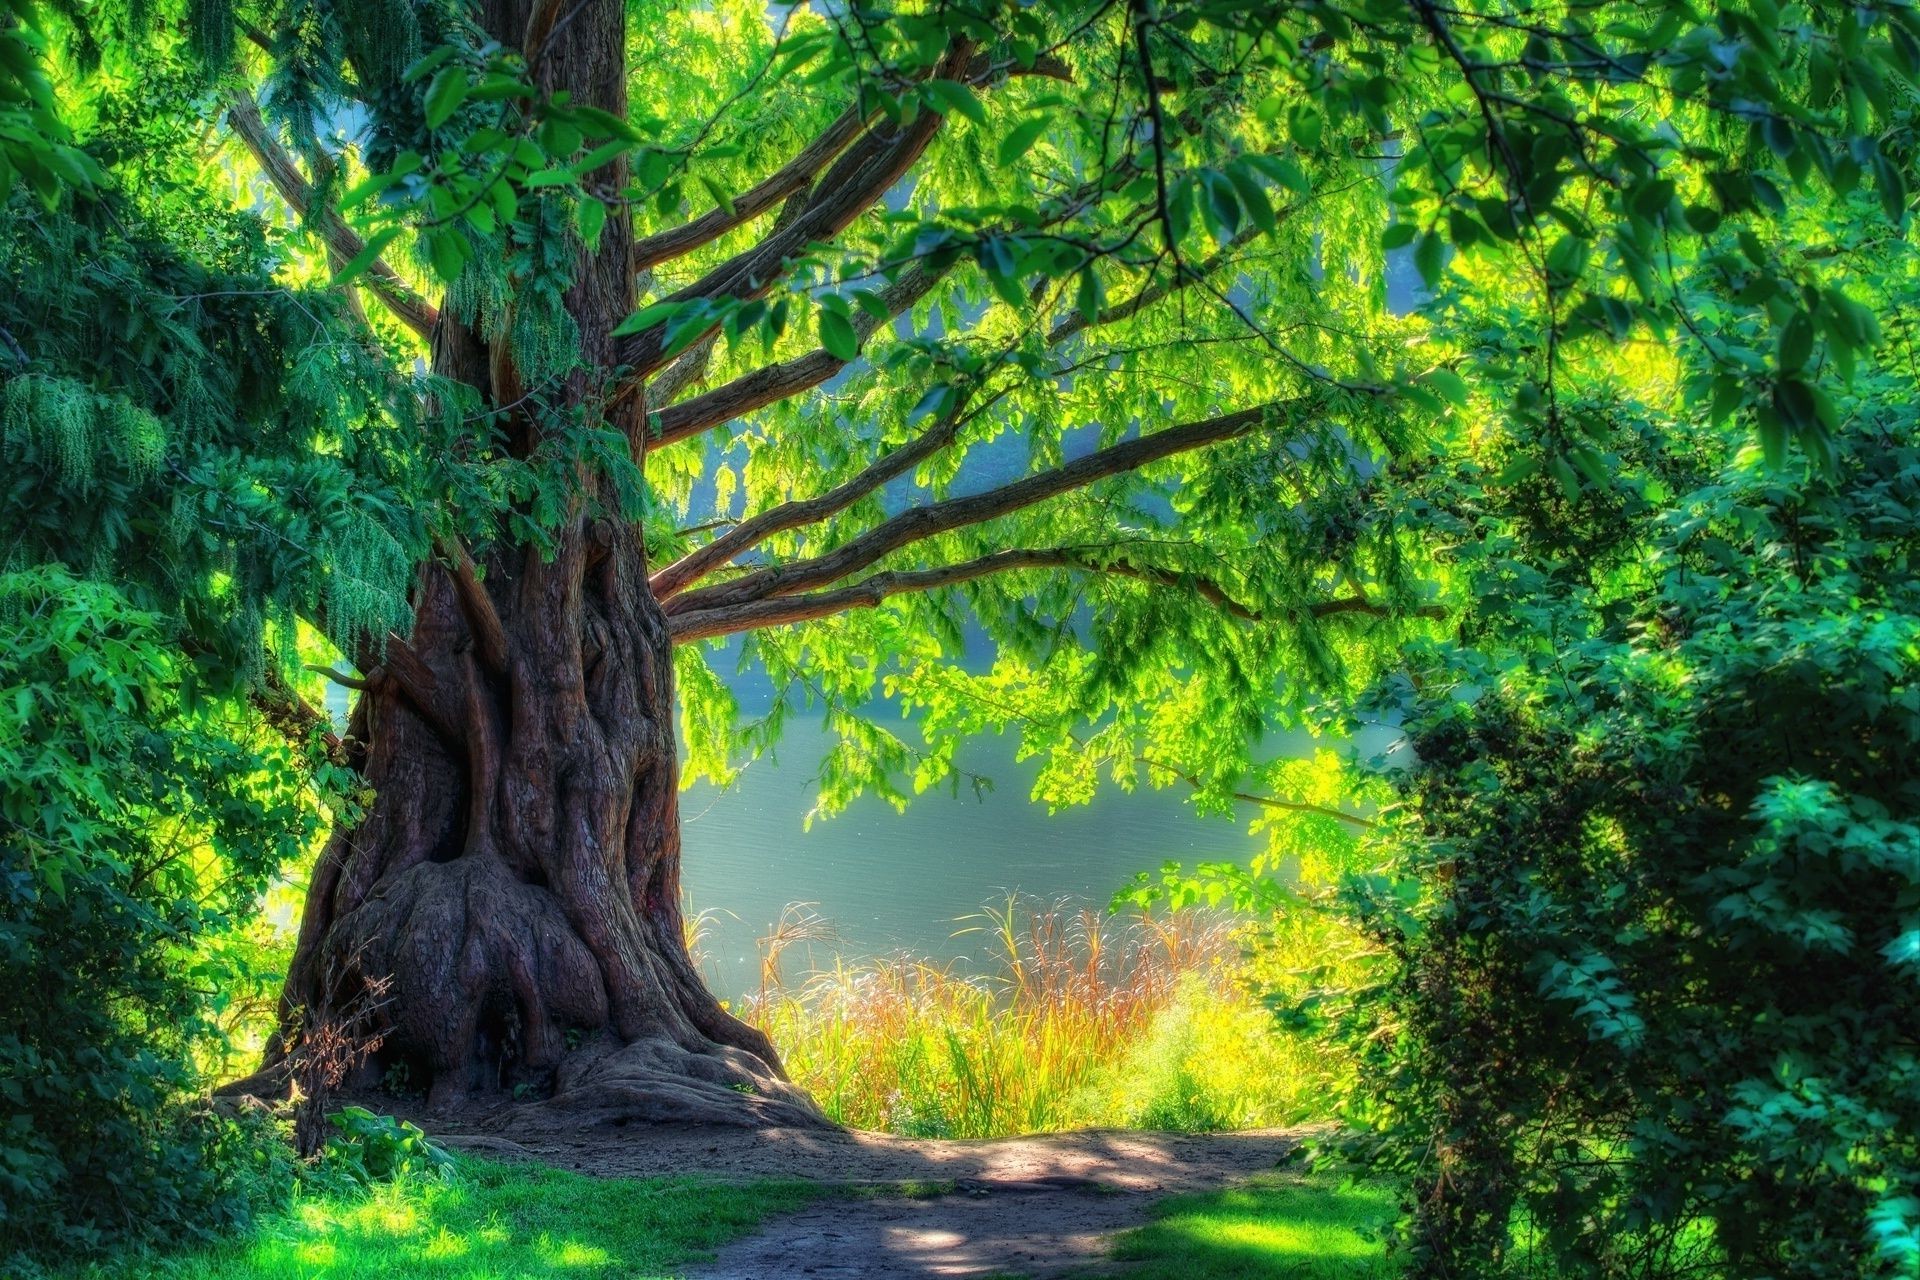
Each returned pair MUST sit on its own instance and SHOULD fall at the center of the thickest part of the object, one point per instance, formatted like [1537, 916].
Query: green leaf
[1088, 299]
[445, 94]
[1429, 257]
[369, 252]
[1305, 125]
[1796, 343]
[949, 96]
[1020, 140]
[590, 216]
[647, 317]
[837, 336]
[1451, 386]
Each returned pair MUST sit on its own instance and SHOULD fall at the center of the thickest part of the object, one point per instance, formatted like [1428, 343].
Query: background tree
[820, 329]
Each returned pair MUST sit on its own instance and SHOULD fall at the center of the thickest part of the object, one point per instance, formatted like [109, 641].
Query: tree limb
[862, 175]
[752, 615]
[865, 594]
[414, 311]
[776, 382]
[791, 515]
[925, 522]
[798, 173]
[476, 605]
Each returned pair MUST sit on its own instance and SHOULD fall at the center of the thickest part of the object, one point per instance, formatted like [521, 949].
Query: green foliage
[373, 1148]
[133, 825]
[1650, 890]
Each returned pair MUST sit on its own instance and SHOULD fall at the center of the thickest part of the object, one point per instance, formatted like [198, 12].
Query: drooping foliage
[194, 457]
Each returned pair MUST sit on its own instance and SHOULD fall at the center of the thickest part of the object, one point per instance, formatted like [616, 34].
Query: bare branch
[381, 280]
[925, 522]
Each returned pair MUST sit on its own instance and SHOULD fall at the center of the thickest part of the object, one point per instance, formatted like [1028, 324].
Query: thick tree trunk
[515, 886]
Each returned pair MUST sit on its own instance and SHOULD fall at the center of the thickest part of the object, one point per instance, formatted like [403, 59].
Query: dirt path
[1034, 1207]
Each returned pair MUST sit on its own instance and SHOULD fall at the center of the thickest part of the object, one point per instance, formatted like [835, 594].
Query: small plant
[372, 1148]
[397, 1080]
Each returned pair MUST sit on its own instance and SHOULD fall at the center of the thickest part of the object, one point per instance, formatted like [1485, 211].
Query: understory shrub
[134, 826]
[1649, 903]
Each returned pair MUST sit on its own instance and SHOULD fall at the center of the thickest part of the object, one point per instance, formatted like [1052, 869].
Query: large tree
[836, 327]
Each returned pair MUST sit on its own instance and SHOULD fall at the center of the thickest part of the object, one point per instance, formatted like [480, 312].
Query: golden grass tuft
[1072, 1018]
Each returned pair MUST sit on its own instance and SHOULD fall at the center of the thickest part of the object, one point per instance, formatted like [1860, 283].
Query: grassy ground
[1303, 1227]
[487, 1222]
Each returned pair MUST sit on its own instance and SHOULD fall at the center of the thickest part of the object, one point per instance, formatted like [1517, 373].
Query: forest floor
[1037, 1206]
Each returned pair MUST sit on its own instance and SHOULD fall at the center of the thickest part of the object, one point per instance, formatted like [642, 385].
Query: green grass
[488, 1222]
[1281, 1225]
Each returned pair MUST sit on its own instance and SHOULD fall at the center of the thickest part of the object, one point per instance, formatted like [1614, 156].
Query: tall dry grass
[1069, 1017]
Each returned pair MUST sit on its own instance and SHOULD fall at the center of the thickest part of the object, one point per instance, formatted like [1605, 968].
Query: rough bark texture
[517, 878]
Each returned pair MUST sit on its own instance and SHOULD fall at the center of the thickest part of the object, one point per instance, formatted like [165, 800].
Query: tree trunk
[513, 893]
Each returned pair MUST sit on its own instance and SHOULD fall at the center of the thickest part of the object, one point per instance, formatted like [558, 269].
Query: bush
[371, 1148]
[1652, 898]
[134, 825]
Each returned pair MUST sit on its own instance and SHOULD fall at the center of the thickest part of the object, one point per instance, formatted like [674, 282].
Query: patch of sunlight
[1281, 1237]
[446, 1245]
[383, 1216]
[572, 1253]
[318, 1253]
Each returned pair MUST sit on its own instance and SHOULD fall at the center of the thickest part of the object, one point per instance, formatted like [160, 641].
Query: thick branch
[859, 178]
[925, 522]
[798, 173]
[793, 176]
[700, 624]
[777, 382]
[791, 515]
[294, 718]
[865, 594]
[413, 310]
[476, 606]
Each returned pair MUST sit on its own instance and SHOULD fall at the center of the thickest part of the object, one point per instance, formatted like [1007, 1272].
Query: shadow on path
[1034, 1206]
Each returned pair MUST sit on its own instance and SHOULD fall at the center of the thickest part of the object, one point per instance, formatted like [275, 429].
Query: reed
[1067, 1017]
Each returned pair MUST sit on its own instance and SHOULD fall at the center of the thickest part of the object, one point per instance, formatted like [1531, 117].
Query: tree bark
[515, 883]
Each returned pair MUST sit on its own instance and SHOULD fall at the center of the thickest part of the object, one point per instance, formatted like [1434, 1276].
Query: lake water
[890, 881]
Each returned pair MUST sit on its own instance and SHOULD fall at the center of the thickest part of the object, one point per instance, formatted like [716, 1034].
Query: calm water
[892, 881]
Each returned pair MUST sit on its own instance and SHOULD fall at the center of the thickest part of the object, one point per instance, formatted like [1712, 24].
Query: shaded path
[1035, 1206]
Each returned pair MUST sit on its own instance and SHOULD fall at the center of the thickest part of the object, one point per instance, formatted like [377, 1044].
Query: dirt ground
[1039, 1206]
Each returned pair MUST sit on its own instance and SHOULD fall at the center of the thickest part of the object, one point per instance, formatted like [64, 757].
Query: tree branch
[791, 515]
[925, 522]
[414, 311]
[476, 605]
[798, 173]
[865, 594]
[752, 615]
[862, 175]
[776, 382]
